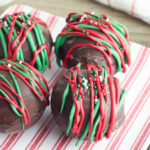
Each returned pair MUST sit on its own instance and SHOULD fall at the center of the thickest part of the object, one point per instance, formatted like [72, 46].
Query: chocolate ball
[88, 103]
[23, 96]
[90, 38]
[25, 37]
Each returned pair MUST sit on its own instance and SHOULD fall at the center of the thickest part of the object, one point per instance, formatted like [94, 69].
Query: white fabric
[137, 8]
[4, 2]
[134, 134]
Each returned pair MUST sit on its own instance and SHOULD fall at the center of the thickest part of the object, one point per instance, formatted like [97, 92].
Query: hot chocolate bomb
[23, 96]
[89, 104]
[90, 38]
[27, 38]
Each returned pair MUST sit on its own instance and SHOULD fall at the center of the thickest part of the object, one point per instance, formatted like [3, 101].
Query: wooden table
[138, 30]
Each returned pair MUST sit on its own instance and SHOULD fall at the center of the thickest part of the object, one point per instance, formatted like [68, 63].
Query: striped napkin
[137, 8]
[134, 134]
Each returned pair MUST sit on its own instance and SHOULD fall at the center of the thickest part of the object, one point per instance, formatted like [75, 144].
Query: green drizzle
[117, 27]
[96, 115]
[17, 68]
[42, 60]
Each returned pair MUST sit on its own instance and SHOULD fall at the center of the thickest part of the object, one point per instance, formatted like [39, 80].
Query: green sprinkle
[119, 29]
[79, 97]
[94, 76]
[83, 81]
[94, 71]
[78, 85]
[81, 75]
[84, 86]
[101, 73]
[27, 74]
[96, 92]
[91, 72]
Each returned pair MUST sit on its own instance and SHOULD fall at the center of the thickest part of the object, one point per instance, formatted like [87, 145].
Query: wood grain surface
[138, 30]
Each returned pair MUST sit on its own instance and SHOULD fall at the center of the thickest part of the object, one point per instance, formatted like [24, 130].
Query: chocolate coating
[26, 48]
[63, 118]
[9, 121]
[91, 38]
[88, 55]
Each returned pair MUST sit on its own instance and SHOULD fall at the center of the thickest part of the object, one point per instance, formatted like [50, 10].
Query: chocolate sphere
[88, 103]
[90, 38]
[23, 96]
[27, 38]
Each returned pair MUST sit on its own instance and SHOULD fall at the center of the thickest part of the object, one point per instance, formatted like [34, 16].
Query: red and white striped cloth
[137, 8]
[134, 134]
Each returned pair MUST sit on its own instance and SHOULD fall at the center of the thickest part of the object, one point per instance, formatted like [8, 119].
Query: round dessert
[27, 38]
[23, 96]
[90, 38]
[88, 103]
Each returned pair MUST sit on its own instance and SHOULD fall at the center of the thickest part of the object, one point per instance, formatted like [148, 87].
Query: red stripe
[35, 12]
[145, 59]
[49, 131]
[134, 64]
[142, 142]
[136, 70]
[5, 140]
[108, 2]
[51, 21]
[42, 126]
[13, 137]
[16, 140]
[58, 140]
[139, 101]
[137, 67]
[128, 81]
[131, 123]
[127, 114]
[61, 144]
[141, 135]
[87, 145]
[82, 144]
[17, 9]
[132, 7]
[38, 139]
[67, 143]
[92, 146]
[54, 23]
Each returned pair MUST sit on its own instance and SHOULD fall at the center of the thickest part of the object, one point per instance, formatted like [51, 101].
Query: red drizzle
[102, 95]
